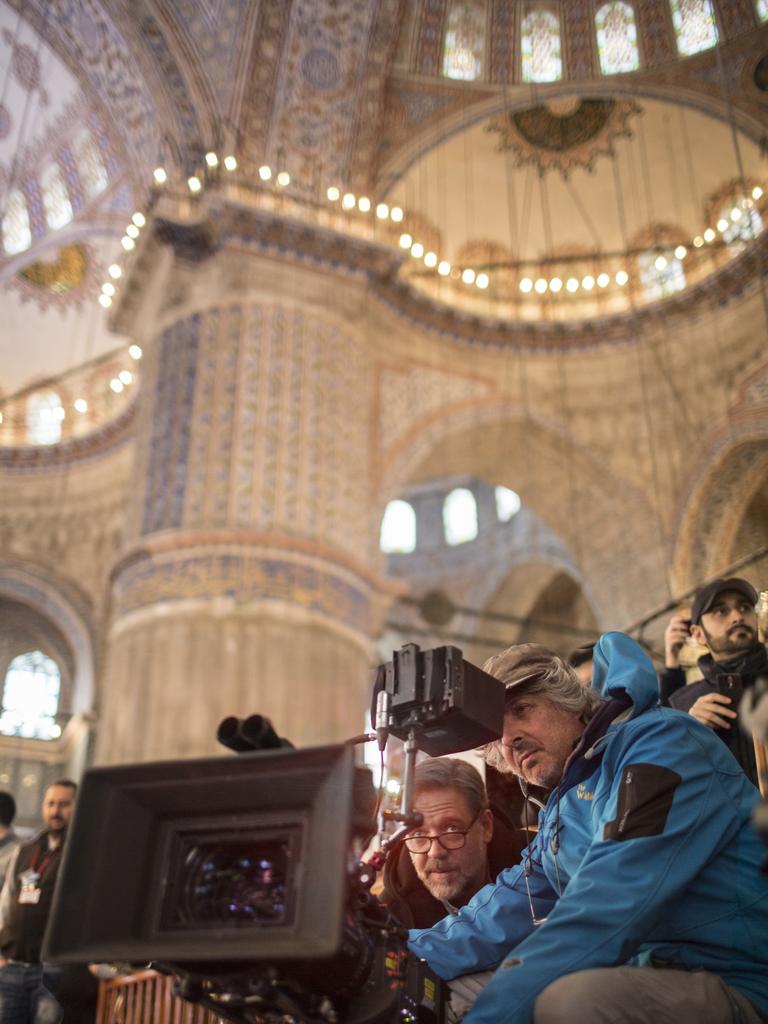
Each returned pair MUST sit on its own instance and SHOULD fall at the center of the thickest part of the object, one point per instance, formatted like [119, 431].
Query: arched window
[741, 221]
[762, 10]
[44, 415]
[660, 273]
[31, 697]
[695, 25]
[617, 38]
[398, 528]
[542, 60]
[93, 173]
[507, 504]
[464, 40]
[58, 208]
[460, 516]
[17, 234]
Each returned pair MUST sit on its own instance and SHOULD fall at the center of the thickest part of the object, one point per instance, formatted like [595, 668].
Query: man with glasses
[457, 850]
[640, 899]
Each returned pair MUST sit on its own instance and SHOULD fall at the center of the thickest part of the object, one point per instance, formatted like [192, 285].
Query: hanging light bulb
[541, 285]
[382, 211]
[430, 259]
[211, 159]
[333, 194]
[396, 214]
[115, 271]
[194, 183]
[132, 231]
[127, 243]
[139, 219]
[230, 163]
[265, 172]
[81, 405]
[660, 262]
[107, 288]
[681, 252]
[603, 280]
[482, 281]
[555, 285]
[364, 204]
[125, 376]
[709, 235]
[406, 241]
[116, 384]
[572, 284]
[348, 201]
[105, 301]
[444, 268]
[417, 250]
[283, 179]
[526, 285]
[468, 275]
[621, 278]
[160, 176]
[757, 192]
[134, 351]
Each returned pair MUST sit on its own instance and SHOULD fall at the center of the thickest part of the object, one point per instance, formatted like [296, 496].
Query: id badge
[30, 890]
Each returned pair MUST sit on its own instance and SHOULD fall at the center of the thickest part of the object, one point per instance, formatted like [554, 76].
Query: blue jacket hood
[619, 667]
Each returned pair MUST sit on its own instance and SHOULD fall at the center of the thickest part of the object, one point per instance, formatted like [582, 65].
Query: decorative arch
[577, 496]
[711, 511]
[66, 609]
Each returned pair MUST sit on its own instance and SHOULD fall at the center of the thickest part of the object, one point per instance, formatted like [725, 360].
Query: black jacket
[674, 693]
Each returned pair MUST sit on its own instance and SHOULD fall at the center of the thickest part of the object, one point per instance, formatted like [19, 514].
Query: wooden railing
[146, 998]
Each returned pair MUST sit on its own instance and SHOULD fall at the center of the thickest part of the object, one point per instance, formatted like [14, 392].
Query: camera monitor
[225, 859]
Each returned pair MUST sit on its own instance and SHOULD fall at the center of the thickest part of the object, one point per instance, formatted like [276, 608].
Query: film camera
[242, 876]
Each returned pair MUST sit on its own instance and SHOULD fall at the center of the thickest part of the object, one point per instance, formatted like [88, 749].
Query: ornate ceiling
[349, 93]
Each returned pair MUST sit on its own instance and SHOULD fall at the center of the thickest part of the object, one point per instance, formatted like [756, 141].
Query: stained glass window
[93, 173]
[744, 223]
[398, 528]
[31, 697]
[460, 516]
[58, 208]
[617, 38]
[661, 273]
[507, 503]
[695, 25]
[464, 40]
[44, 415]
[762, 10]
[17, 234]
[542, 60]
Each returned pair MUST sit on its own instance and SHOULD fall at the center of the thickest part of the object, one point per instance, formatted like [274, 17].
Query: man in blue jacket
[640, 899]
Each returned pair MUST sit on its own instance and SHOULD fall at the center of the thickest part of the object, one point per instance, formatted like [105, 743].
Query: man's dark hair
[582, 654]
[452, 773]
[7, 808]
[63, 782]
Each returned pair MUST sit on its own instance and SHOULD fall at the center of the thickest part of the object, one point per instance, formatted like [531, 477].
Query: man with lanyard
[640, 900]
[24, 908]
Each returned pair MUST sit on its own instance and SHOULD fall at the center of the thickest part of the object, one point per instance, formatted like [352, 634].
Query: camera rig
[242, 877]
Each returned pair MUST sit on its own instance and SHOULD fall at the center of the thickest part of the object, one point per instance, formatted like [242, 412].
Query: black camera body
[238, 876]
[242, 876]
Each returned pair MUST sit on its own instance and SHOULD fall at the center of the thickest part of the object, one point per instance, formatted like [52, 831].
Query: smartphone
[730, 686]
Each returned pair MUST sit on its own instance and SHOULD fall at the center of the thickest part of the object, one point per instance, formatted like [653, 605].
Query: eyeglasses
[453, 839]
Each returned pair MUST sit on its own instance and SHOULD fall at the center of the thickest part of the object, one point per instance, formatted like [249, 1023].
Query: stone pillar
[247, 585]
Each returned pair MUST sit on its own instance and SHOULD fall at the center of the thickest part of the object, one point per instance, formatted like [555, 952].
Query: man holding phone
[723, 619]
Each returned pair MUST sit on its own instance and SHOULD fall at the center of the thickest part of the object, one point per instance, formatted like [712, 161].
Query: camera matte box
[123, 870]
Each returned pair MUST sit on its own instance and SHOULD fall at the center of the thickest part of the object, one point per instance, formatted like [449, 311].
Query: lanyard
[45, 862]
